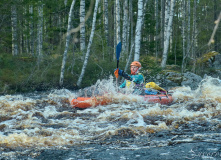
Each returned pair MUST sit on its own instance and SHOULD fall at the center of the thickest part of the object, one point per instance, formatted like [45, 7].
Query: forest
[72, 43]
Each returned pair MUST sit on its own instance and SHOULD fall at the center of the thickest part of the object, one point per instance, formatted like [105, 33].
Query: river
[45, 126]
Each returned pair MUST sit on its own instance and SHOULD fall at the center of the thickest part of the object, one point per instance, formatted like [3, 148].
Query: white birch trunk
[106, 19]
[193, 56]
[131, 26]
[14, 30]
[184, 34]
[82, 25]
[125, 26]
[31, 30]
[26, 31]
[66, 44]
[138, 30]
[188, 27]
[171, 39]
[162, 23]
[115, 32]
[144, 38]
[40, 32]
[168, 33]
[118, 21]
[166, 19]
[89, 44]
[157, 23]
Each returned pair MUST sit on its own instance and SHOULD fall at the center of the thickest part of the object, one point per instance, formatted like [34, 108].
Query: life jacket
[133, 84]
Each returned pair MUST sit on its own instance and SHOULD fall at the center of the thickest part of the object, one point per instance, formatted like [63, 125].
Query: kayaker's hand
[120, 72]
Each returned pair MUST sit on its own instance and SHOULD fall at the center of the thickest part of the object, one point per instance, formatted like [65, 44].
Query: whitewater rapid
[46, 120]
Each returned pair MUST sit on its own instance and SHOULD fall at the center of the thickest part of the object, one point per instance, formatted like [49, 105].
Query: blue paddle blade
[118, 50]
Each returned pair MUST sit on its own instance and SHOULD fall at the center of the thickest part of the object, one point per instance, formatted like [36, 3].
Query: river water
[45, 126]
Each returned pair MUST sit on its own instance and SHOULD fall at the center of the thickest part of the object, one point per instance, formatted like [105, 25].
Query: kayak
[87, 102]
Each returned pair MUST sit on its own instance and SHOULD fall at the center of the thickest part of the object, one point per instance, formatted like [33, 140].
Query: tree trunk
[125, 27]
[162, 24]
[131, 27]
[66, 44]
[82, 25]
[106, 20]
[157, 27]
[129, 58]
[150, 36]
[40, 32]
[14, 30]
[118, 21]
[89, 44]
[26, 28]
[115, 31]
[188, 28]
[193, 54]
[184, 35]
[216, 14]
[168, 33]
[31, 31]
[138, 31]
[166, 19]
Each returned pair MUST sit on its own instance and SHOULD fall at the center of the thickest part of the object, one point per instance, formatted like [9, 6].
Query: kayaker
[135, 80]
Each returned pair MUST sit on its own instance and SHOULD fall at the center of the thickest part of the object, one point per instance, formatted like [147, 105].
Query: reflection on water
[47, 120]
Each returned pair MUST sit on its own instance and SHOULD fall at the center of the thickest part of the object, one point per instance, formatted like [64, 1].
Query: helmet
[136, 63]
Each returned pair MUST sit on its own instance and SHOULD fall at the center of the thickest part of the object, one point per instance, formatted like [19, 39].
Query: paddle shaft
[118, 50]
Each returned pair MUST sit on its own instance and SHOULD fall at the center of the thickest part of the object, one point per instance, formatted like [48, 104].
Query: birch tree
[31, 30]
[130, 13]
[184, 34]
[193, 55]
[82, 25]
[89, 44]
[162, 23]
[14, 30]
[105, 18]
[118, 21]
[25, 32]
[125, 26]
[40, 31]
[66, 44]
[188, 27]
[138, 30]
[168, 33]
[166, 18]
[157, 27]
[131, 30]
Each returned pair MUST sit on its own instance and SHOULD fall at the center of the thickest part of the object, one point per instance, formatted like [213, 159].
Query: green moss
[206, 57]
[177, 80]
[167, 70]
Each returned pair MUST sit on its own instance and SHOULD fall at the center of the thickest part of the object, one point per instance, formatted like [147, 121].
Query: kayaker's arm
[135, 78]
[126, 76]
[123, 84]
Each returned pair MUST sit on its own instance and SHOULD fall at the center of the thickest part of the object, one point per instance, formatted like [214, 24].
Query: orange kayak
[86, 102]
[161, 98]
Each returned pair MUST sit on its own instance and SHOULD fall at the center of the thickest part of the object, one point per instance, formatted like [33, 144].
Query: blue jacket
[137, 79]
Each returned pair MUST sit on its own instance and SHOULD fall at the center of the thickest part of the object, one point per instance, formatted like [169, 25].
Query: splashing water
[44, 121]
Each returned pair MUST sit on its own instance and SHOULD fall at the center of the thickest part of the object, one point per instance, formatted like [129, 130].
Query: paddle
[118, 50]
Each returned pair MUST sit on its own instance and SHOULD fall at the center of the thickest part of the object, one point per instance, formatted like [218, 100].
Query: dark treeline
[33, 39]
